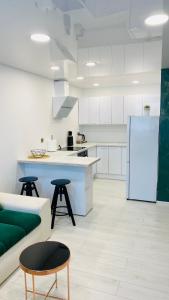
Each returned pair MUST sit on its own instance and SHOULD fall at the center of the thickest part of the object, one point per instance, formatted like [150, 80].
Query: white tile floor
[119, 251]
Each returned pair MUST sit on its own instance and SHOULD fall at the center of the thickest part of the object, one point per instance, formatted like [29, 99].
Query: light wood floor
[119, 251]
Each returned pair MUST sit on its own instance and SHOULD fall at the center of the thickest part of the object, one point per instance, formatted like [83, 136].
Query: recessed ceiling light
[96, 84]
[135, 82]
[80, 78]
[90, 64]
[156, 20]
[40, 37]
[55, 68]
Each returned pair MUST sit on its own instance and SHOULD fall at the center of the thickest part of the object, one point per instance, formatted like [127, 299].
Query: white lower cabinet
[124, 161]
[92, 152]
[113, 162]
[103, 164]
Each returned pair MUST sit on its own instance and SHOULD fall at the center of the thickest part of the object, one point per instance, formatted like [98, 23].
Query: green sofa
[23, 221]
[14, 226]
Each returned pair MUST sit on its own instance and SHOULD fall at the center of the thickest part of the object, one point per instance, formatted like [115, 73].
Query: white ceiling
[103, 22]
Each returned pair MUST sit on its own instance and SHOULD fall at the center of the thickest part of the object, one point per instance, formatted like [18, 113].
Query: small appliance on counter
[70, 139]
[80, 138]
[83, 150]
[51, 144]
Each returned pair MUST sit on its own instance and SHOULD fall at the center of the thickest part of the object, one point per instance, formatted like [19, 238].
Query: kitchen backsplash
[109, 133]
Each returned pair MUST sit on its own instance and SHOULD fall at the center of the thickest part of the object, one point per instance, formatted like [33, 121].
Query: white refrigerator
[142, 158]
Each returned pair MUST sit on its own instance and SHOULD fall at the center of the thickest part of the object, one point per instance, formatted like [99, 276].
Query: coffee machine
[69, 139]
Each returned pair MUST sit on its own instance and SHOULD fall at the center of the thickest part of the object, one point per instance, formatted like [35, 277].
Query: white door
[115, 160]
[143, 158]
[83, 111]
[105, 110]
[154, 103]
[93, 110]
[102, 165]
[132, 106]
[124, 161]
[117, 109]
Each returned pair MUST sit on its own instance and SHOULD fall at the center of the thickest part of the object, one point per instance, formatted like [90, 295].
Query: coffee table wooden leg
[56, 278]
[33, 286]
[68, 283]
[25, 286]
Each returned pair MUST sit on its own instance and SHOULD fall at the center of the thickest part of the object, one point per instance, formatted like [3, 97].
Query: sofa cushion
[10, 235]
[2, 249]
[26, 221]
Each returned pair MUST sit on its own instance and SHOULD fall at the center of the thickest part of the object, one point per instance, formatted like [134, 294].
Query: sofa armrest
[35, 205]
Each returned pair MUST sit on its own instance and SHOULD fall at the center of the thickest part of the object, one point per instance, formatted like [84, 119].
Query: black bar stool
[29, 185]
[60, 189]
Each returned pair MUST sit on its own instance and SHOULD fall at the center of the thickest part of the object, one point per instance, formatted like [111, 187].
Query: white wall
[25, 117]
[113, 133]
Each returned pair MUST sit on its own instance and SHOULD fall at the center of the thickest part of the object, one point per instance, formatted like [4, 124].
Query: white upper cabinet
[103, 164]
[93, 110]
[115, 160]
[152, 53]
[117, 110]
[83, 111]
[105, 110]
[134, 58]
[132, 106]
[154, 103]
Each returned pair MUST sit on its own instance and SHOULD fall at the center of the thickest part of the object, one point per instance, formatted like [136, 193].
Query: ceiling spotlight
[80, 78]
[90, 64]
[96, 84]
[55, 68]
[156, 20]
[40, 38]
[135, 82]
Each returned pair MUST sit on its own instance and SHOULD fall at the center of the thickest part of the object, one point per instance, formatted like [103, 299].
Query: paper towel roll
[51, 145]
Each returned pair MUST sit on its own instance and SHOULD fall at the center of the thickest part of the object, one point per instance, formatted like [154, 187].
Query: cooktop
[71, 148]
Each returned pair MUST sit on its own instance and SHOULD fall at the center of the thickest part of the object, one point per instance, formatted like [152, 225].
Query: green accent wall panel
[163, 160]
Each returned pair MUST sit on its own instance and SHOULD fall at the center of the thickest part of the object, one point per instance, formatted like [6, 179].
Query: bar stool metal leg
[23, 188]
[68, 283]
[68, 205]
[34, 187]
[54, 203]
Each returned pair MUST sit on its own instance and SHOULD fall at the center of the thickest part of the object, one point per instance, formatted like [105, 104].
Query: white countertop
[69, 158]
[66, 158]
[93, 144]
[111, 144]
[62, 160]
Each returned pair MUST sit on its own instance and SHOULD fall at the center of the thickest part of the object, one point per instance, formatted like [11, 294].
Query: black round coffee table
[45, 258]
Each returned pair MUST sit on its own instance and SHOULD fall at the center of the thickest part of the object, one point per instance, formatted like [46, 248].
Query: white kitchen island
[63, 165]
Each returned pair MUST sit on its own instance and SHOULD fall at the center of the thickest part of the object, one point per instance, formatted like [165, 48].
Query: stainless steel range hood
[63, 102]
